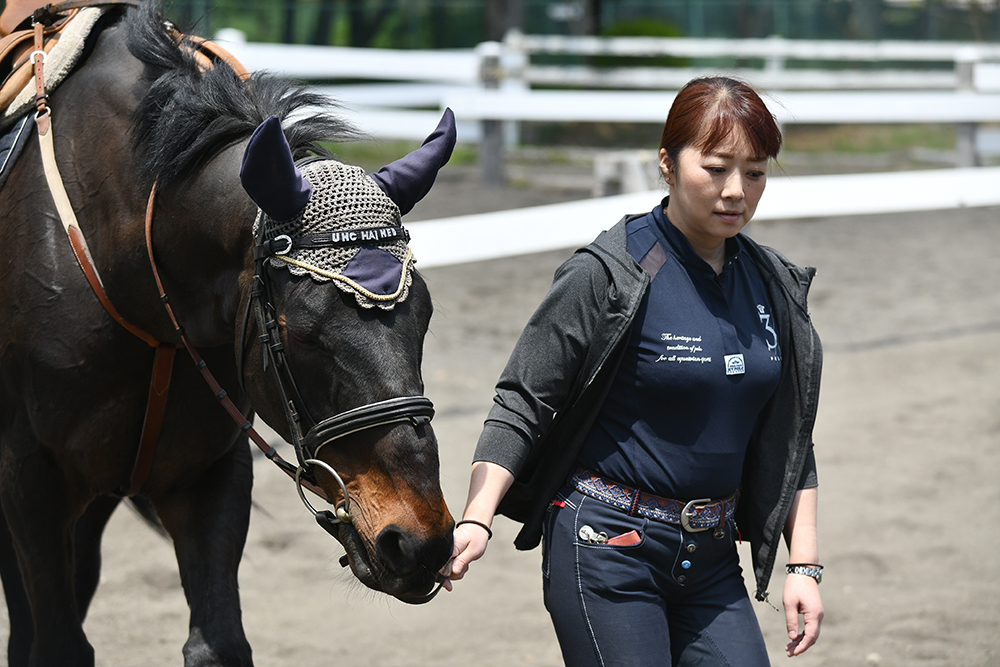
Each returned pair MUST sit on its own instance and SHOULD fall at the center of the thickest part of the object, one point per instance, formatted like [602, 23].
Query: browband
[283, 244]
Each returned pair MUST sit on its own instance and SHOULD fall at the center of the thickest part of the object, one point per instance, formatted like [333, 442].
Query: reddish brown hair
[709, 110]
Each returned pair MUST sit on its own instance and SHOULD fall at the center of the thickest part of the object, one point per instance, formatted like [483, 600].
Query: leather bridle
[417, 410]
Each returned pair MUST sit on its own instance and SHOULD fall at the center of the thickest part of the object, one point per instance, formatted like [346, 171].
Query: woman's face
[713, 194]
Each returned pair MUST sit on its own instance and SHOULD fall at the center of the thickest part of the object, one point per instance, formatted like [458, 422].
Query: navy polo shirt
[702, 360]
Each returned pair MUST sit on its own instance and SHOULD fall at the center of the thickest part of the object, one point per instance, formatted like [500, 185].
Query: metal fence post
[965, 134]
[492, 168]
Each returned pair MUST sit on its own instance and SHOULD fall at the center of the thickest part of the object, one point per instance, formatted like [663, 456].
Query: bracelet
[813, 570]
[489, 533]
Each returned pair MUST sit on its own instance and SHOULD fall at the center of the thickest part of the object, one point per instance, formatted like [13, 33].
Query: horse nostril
[397, 549]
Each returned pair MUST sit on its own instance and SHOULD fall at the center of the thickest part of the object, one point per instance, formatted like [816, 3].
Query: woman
[658, 408]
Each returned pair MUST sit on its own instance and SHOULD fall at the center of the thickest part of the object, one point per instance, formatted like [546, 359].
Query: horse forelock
[188, 114]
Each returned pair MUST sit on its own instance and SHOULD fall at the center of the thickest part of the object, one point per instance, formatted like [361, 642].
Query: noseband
[417, 410]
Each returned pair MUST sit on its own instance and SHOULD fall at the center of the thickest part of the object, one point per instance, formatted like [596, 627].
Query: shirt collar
[681, 247]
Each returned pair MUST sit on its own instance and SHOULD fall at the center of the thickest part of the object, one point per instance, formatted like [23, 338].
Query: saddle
[66, 27]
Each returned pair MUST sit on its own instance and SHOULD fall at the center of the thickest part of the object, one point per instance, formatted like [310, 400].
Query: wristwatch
[808, 569]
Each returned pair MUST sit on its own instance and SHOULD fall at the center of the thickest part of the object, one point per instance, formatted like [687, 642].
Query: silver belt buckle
[688, 512]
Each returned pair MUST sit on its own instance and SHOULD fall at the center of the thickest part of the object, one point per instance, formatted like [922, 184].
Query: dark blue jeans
[661, 596]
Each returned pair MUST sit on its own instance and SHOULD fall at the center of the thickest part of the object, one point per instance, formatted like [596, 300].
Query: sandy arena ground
[908, 445]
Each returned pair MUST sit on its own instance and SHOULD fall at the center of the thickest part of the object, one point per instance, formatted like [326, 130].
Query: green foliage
[435, 24]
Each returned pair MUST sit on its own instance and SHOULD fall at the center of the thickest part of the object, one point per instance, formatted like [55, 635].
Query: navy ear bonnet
[270, 176]
[335, 223]
[408, 179]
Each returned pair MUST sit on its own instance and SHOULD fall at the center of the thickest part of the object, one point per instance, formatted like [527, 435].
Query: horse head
[335, 368]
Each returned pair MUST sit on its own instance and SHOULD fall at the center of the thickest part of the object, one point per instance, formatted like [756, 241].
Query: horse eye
[304, 330]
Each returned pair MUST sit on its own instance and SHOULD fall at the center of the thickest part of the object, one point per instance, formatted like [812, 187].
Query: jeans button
[691, 548]
[686, 564]
[681, 579]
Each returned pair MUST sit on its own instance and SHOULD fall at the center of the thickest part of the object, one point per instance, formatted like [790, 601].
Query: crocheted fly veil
[348, 233]
[335, 223]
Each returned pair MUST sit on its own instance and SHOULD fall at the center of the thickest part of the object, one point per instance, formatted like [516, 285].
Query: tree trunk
[365, 22]
[501, 16]
[324, 22]
[288, 33]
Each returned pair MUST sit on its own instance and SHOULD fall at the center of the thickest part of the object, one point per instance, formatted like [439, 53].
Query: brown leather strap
[60, 7]
[156, 408]
[76, 238]
[207, 53]
[39, 59]
[220, 394]
[163, 361]
[82, 253]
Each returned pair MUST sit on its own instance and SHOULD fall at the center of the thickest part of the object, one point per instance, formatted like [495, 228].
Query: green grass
[372, 155]
[867, 138]
[815, 139]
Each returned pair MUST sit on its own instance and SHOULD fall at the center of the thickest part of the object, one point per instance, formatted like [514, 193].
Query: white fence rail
[463, 66]
[770, 48]
[788, 107]
[472, 238]
[334, 62]
[775, 53]
[492, 84]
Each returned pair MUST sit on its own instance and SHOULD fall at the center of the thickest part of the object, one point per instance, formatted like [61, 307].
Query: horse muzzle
[396, 565]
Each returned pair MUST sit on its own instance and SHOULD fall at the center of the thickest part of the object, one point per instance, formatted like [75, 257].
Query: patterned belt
[693, 516]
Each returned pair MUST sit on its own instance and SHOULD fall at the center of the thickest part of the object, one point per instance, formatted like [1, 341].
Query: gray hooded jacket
[561, 369]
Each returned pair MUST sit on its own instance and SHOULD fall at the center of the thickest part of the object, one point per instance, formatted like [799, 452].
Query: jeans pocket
[613, 530]
[558, 503]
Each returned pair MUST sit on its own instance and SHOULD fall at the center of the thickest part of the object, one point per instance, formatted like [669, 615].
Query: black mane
[189, 115]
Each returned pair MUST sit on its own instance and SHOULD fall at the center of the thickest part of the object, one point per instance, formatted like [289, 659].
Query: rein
[245, 424]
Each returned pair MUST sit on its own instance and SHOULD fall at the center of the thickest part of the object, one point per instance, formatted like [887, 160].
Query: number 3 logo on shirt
[765, 318]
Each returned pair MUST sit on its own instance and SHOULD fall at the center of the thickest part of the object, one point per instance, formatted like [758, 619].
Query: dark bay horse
[301, 316]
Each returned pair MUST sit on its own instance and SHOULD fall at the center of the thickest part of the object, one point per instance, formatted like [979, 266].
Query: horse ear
[269, 174]
[408, 179]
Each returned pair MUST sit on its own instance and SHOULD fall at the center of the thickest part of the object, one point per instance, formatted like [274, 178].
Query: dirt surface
[908, 447]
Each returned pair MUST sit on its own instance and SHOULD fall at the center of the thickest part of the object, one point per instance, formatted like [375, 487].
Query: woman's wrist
[477, 522]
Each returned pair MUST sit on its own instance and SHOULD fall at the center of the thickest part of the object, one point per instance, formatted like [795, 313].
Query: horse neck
[200, 232]
[202, 242]
[90, 114]
[201, 224]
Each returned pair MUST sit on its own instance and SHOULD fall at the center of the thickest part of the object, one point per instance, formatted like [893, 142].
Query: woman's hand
[487, 485]
[801, 598]
[470, 545]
